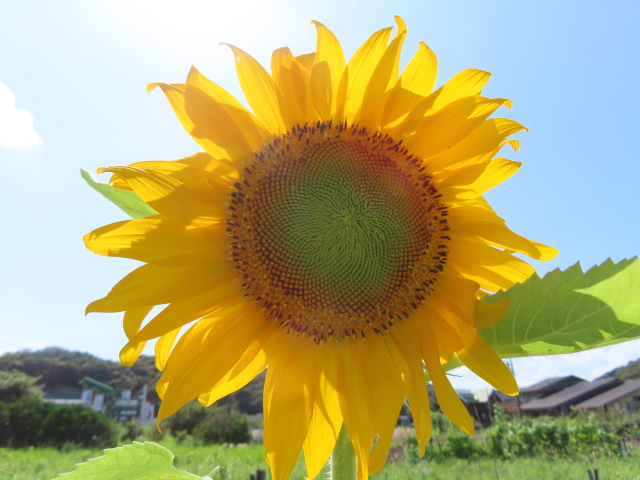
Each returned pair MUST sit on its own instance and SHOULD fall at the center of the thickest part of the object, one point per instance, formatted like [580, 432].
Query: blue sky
[78, 70]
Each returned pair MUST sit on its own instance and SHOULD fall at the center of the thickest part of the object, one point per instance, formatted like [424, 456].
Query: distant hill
[631, 371]
[58, 367]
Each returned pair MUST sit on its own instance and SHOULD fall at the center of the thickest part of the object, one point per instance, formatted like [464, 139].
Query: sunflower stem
[343, 458]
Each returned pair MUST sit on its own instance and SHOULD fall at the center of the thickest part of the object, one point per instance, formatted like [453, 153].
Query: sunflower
[335, 234]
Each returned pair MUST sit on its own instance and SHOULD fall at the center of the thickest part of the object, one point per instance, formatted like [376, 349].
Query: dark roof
[536, 387]
[570, 396]
[93, 383]
[610, 396]
[504, 398]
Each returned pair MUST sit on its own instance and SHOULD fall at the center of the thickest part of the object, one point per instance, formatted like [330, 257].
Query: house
[90, 393]
[509, 404]
[479, 403]
[562, 401]
[625, 396]
[547, 387]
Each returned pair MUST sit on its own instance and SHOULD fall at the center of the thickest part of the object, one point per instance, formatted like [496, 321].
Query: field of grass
[238, 462]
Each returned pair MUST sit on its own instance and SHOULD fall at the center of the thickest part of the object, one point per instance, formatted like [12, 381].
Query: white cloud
[588, 365]
[13, 343]
[16, 126]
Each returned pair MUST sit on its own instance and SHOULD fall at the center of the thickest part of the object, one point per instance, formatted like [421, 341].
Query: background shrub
[578, 436]
[77, 424]
[223, 425]
[15, 385]
[187, 418]
[30, 422]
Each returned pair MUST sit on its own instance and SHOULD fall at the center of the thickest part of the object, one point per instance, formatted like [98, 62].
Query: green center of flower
[332, 230]
[339, 226]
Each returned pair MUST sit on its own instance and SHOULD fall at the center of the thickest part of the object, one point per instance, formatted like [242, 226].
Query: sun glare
[193, 29]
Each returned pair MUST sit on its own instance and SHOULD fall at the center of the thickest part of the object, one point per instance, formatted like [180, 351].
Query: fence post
[261, 475]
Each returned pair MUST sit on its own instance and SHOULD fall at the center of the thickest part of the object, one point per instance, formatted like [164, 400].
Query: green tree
[15, 385]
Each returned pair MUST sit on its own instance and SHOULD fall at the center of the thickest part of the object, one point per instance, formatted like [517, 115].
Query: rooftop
[548, 382]
[610, 396]
[573, 393]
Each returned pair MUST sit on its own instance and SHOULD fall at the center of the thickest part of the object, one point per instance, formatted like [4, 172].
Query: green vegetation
[57, 367]
[15, 385]
[215, 424]
[520, 449]
[579, 437]
[566, 311]
[60, 368]
[30, 422]
[631, 371]
[238, 462]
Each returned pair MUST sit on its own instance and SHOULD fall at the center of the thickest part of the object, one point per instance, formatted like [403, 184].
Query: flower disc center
[334, 230]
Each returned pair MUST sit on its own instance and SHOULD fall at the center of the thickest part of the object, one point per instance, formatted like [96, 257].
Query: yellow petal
[383, 394]
[451, 124]
[190, 176]
[306, 61]
[448, 399]
[209, 357]
[153, 238]
[481, 225]
[163, 348]
[472, 181]
[351, 384]
[405, 351]
[262, 92]
[482, 144]
[207, 122]
[193, 170]
[289, 396]
[383, 77]
[413, 86]
[132, 320]
[327, 70]
[252, 362]
[131, 324]
[479, 357]
[290, 79]
[458, 294]
[131, 352]
[449, 342]
[182, 312]
[171, 197]
[488, 314]
[250, 126]
[466, 83]
[221, 167]
[493, 269]
[357, 73]
[165, 281]
[327, 419]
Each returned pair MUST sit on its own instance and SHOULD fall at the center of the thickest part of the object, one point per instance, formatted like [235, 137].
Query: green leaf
[567, 311]
[139, 461]
[126, 200]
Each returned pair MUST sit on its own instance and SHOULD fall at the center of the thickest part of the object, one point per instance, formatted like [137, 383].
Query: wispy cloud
[588, 365]
[16, 126]
[13, 343]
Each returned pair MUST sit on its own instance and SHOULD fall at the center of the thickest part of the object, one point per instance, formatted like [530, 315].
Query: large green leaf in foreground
[139, 461]
[126, 200]
[567, 312]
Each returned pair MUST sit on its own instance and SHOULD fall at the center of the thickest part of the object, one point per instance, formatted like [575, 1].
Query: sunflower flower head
[335, 234]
